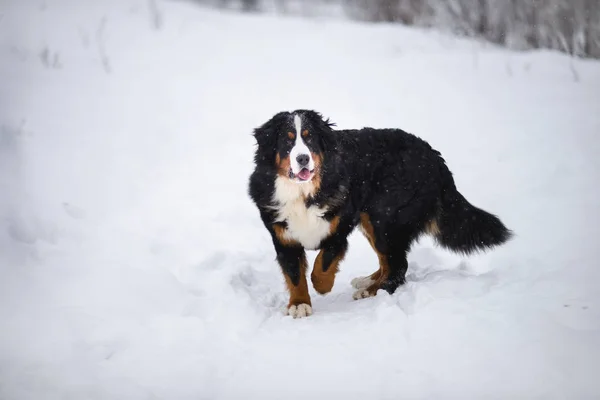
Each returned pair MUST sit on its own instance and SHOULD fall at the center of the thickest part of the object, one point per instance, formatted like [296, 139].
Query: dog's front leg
[293, 265]
[327, 264]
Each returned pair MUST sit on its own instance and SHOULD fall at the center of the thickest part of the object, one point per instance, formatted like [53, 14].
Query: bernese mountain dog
[314, 184]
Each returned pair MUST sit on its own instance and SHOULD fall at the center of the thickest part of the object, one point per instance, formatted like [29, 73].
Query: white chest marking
[305, 225]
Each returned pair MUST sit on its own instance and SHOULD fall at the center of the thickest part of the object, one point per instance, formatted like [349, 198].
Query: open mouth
[303, 176]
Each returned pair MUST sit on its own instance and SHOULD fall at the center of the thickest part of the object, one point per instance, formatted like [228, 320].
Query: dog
[313, 185]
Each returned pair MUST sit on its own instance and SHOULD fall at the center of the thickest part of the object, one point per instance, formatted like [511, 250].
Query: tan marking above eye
[305, 133]
[291, 135]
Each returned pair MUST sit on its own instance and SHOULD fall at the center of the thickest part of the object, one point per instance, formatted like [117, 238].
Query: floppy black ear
[325, 127]
[266, 139]
[328, 140]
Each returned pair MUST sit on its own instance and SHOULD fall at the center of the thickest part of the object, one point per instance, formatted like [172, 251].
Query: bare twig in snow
[100, 44]
[156, 16]
[84, 37]
[49, 59]
[569, 50]
[574, 71]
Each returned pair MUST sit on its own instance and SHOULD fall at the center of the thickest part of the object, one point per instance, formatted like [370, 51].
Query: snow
[134, 266]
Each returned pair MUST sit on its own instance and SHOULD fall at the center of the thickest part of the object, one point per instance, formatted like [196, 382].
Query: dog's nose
[302, 160]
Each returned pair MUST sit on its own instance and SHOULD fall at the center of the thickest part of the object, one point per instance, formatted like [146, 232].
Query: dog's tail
[463, 228]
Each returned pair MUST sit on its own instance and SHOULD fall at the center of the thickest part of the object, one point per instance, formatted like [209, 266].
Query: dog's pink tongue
[304, 174]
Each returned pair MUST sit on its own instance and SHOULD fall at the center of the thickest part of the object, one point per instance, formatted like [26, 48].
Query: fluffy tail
[464, 228]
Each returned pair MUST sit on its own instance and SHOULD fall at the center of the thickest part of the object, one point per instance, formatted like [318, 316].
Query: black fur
[396, 178]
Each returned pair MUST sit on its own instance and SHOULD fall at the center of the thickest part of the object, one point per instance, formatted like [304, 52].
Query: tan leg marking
[299, 305]
[323, 280]
[367, 286]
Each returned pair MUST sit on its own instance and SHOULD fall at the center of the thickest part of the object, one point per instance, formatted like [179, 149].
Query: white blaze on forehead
[300, 148]
[298, 123]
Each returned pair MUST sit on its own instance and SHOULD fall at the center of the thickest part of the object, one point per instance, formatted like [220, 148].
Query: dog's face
[294, 144]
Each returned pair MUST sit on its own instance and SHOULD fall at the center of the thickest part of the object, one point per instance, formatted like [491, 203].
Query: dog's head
[294, 144]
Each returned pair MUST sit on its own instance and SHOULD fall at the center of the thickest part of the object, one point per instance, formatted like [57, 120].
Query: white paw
[300, 311]
[362, 282]
[361, 294]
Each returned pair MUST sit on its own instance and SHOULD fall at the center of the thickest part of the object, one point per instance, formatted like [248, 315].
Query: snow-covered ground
[134, 266]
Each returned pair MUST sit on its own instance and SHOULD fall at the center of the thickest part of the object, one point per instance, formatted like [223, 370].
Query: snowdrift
[133, 265]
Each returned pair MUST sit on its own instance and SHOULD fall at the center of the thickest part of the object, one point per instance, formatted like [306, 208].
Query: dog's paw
[299, 311]
[362, 294]
[362, 282]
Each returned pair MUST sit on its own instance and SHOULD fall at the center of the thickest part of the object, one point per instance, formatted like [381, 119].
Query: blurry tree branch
[571, 26]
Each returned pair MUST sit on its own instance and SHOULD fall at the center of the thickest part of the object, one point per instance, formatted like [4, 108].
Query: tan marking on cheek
[283, 165]
[318, 160]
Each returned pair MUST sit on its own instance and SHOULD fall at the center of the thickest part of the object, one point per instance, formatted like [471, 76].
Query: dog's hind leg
[397, 263]
[391, 248]
[363, 283]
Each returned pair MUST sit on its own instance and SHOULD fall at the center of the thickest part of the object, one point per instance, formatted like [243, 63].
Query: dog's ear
[328, 141]
[325, 127]
[266, 139]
